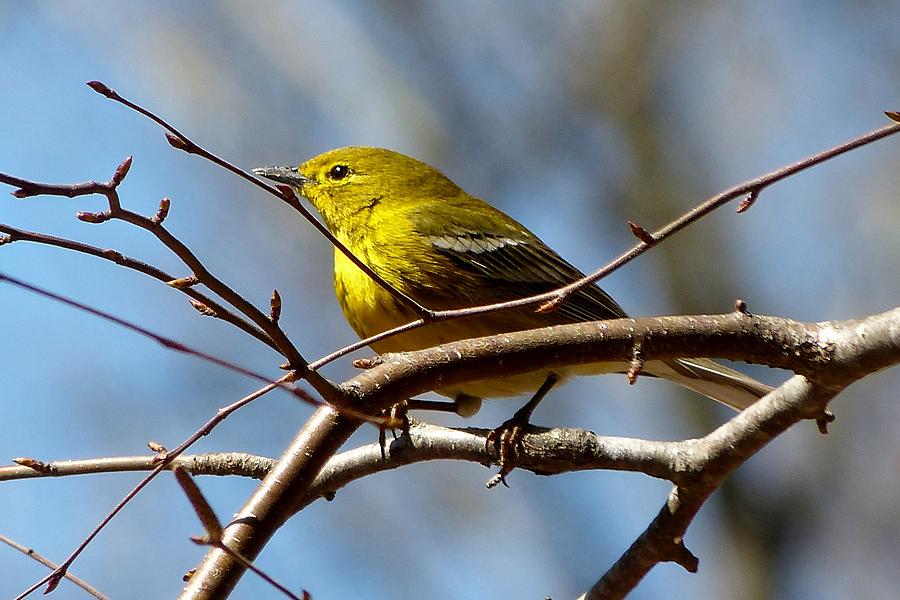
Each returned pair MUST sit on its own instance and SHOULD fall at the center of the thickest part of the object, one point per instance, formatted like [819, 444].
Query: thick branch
[817, 350]
[712, 459]
[820, 350]
[272, 503]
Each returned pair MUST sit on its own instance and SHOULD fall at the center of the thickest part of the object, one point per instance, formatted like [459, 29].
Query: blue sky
[572, 117]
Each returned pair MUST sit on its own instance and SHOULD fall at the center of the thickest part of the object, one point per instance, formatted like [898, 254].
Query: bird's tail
[711, 379]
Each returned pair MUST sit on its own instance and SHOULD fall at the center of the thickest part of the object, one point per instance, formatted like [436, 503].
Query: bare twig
[154, 225]
[246, 564]
[171, 344]
[164, 341]
[213, 527]
[31, 553]
[15, 235]
[216, 463]
[52, 580]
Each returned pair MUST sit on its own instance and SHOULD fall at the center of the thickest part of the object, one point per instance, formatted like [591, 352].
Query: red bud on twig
[122, 170]
[275, 306]
[102, 88]
[641, 233]
[92, 217]
[183, 282]
[163, 211]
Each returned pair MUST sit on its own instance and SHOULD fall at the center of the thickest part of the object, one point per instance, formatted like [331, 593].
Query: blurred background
[573, 117]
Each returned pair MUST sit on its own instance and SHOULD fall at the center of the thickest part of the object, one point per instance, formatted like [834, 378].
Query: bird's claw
[506, 441]
[397, 412]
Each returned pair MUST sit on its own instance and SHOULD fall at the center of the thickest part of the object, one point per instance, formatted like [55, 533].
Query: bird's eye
[338, 172]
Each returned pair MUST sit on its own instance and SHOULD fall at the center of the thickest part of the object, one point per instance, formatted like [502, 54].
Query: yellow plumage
[446, 249]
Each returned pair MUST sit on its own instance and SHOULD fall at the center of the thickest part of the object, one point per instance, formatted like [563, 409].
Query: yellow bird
[447, 249]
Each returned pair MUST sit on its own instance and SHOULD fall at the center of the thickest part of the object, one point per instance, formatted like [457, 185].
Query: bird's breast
[367, 306]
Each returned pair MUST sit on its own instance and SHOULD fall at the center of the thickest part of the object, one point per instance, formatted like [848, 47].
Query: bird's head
[343, 183]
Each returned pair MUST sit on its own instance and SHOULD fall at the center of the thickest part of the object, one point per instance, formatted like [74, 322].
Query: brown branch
[154, 225]
[711, 460]
[53, 579]
[14, 234]
[750, 189]
[31, 553]
[833, 354]
[829, 355]
[802, 347]
[167, 342]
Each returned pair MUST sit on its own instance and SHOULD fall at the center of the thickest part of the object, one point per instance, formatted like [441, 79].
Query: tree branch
[544, 451]
[14, 234]
[711, 460]
[814, 349]
[199, 273]
[830, 355]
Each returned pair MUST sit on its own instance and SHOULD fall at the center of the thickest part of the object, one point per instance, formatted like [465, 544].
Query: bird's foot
[397, 412]
[506, 439]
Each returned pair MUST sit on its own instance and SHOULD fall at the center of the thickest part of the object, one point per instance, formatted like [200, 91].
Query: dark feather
[525, 267]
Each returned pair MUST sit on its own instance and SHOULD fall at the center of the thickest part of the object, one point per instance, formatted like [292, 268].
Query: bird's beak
[288, 175]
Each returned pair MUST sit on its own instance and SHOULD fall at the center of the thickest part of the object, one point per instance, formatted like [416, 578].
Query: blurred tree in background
[570, 116]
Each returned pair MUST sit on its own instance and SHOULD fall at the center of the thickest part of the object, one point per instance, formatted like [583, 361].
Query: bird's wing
[522, 265]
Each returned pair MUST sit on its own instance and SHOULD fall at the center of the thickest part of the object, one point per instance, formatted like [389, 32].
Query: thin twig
[31, 553]
[15, 235]
[165, 460]
[164, 341]
[213, 463]
[155, 226]
[341, 405]
[219, 545]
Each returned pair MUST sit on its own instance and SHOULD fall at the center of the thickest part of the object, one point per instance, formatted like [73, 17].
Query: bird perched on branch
[446, 249]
